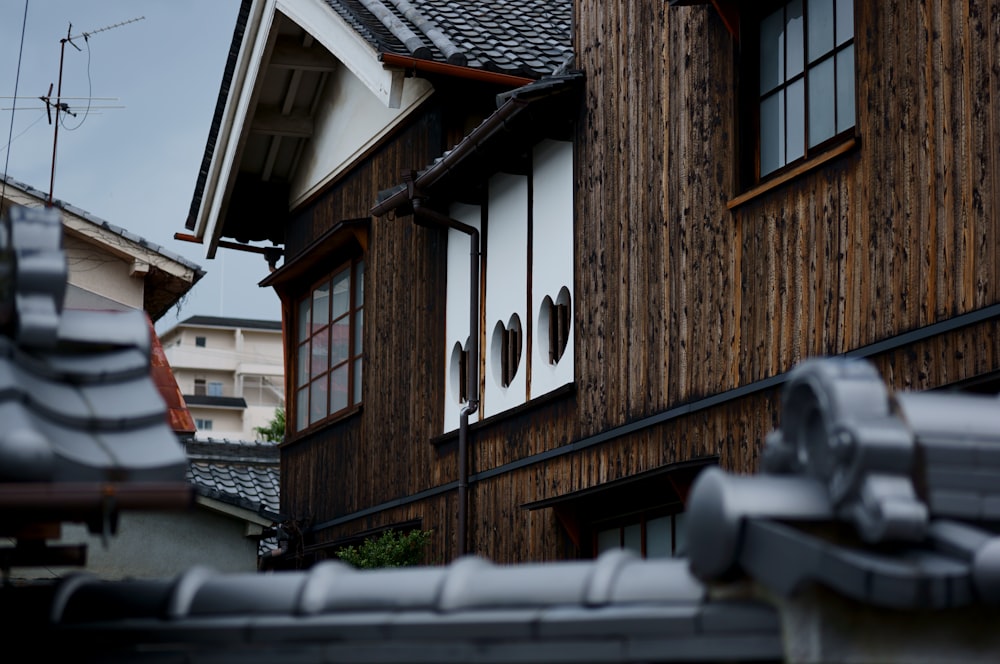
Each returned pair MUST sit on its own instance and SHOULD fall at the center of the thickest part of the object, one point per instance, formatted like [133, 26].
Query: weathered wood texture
[681, 298]
[656, 246]
[381, 452]
[677, 297]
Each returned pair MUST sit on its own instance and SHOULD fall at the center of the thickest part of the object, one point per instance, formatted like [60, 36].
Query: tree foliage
[390, 549]
[275, 429]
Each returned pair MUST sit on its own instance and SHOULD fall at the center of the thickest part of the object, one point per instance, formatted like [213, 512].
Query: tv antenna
[58, 105]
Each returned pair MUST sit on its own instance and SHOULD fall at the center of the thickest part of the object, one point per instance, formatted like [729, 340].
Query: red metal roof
[163, 377]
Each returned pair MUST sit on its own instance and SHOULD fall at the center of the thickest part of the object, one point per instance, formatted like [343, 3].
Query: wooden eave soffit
[729, 11]
[271, 121]
[289, 53]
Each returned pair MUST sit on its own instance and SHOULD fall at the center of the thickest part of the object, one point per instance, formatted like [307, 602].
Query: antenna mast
[59, 105]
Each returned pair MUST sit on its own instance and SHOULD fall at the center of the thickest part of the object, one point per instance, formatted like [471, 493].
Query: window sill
[790, 175]
[444, 440]
[319, 426]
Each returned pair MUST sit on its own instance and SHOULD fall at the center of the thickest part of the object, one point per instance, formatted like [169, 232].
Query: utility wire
[23, 132]
[90, 90]
[10, 132]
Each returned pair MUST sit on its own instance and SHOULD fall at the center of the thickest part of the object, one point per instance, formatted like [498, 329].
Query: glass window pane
[321, 307]
[608, 540]
[338, 389]
[793, 38]
[633, 538]
[845, 21]
[302, 409]
[357, 380]
[302, 365]
[845, 89]
[772, 133]
[659, 540]
[772, 47]
[358, 328]
[320, 361]
[821, 110]
[317, 400]
[680, 534]
[303, 319]
[341, 293]
[340, 348]
[359, 284]
[820, 18]
[795, 111]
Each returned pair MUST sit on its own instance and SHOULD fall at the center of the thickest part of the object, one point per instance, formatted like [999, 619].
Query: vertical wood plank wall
[677, 296]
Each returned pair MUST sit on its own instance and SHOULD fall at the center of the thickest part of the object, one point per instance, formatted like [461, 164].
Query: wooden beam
[269, 120]
[291, 54]
[728, 10]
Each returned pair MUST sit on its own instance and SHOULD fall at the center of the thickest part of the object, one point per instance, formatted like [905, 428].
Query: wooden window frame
[463, 376]
[754, 182]
[308, 342]
[558, 330]
[510, 352]
[641, 519]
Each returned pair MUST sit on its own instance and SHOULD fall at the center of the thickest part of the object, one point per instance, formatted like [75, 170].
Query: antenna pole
[55, 136]
[59, 105]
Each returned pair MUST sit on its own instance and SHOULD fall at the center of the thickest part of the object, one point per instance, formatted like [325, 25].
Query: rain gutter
[427, 216]
[412, 63]
[402, 196]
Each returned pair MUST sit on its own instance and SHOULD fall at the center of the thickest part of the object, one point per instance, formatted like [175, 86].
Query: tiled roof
[117, 230]
[905, 485]
[618, 608]
[530, 38]
[241, 473]
[224, 321]
[77, 399]
[870, 536]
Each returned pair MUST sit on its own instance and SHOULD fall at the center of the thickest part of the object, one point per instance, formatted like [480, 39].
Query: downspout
[437, 219]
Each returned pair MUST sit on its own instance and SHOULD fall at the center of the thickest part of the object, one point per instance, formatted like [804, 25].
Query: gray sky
[135, 166]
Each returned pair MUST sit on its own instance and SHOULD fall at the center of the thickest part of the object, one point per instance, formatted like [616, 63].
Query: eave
[297, 73]
[544, 108]
[166, 276]
[283, 53]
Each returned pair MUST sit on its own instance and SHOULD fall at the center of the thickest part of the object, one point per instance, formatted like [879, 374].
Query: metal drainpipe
[438, 219]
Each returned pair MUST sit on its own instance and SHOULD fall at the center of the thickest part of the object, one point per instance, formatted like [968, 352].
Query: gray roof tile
[77, 398]
[242, 473]
[470, 611]
[529, 38]
[852, 454]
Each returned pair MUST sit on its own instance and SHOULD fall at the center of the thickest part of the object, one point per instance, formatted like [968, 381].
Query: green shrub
[275, 429]
[390, 549]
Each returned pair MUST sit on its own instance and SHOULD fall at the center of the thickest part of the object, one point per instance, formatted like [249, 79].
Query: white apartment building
[230, 371]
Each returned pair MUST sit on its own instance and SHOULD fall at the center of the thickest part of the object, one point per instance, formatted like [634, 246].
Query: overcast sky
[136, 166]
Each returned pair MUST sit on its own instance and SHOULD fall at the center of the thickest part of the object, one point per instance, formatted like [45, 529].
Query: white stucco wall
[349, 119]
[506, 285]
[457, 309]
[507, 249]
[96, 270]
[552, 258]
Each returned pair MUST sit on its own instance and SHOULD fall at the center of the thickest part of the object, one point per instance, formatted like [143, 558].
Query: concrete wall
[159, 544]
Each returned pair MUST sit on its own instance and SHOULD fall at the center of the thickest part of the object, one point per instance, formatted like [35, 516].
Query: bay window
[328, 350]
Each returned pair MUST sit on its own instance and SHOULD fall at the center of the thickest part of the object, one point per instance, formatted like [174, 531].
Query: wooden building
[708, 193]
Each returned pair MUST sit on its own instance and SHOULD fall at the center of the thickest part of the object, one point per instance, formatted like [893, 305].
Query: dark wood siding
[381, 452]
[678, 297]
